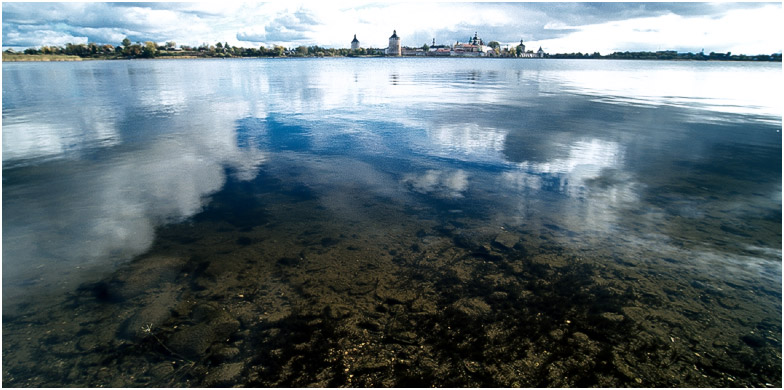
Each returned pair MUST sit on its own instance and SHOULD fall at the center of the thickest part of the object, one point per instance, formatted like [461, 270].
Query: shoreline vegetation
[170, 50]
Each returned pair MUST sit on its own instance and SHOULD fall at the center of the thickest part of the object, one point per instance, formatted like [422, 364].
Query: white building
[355, 43]
[474, 48]
[394, 48]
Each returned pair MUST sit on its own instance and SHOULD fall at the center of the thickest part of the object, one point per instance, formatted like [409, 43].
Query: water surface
[391, 222]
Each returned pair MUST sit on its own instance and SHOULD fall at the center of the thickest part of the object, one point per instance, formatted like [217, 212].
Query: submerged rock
[506, 240]
[192, 342]
[147, 274]
[613, 317]
[212, 325]
[150, 316]
[473, 308]
[224, 375]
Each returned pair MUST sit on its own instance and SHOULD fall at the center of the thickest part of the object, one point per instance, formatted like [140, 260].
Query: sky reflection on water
[97, 155]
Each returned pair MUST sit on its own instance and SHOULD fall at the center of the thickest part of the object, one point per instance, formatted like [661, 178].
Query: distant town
[472, 47]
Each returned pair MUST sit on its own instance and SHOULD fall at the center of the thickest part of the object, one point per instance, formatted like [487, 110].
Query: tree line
[128, 50]
[671, 55]
[150, 49]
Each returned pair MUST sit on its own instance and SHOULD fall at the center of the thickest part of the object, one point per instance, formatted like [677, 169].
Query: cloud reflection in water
[106, 202]
[518, 142]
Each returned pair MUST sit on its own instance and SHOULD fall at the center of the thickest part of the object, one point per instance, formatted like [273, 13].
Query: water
[391, 222]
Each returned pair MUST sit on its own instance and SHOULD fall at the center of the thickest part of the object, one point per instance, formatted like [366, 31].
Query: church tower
[355, 43]
[394, 45]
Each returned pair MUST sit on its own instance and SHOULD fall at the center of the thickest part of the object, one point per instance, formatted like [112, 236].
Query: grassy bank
[8, 57]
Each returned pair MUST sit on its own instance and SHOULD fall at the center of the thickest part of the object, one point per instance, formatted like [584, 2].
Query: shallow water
[391, 222]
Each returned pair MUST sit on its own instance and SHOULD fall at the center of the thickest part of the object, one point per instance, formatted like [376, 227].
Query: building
[476, 40]
[394, 48]
[474, 48]
[413, 51]
[355, 43]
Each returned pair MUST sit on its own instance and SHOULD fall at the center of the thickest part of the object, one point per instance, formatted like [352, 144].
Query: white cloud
[749, 31]
[558, 27]
[109, 209]
[439, 183]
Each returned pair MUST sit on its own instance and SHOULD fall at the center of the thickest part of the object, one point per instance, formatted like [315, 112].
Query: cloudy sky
[739, 27]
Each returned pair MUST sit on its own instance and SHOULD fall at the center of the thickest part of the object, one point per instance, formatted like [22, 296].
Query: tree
[80, 50]
[496, 46]
[126, 42]
[426, 48]
[149, 50]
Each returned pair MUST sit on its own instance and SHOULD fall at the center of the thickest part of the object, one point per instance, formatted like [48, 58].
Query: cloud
[103, 34]
[738, 30]
[35, 38]
[439, 183]
[289, 27]
[109, 208]
[559, 27]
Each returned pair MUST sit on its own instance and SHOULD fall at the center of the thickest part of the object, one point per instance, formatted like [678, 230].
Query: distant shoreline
[21, 57]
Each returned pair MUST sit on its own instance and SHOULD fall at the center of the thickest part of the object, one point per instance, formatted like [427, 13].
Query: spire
[394, 34]
[355, 39]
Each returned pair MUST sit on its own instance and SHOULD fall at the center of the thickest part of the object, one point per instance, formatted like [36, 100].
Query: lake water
[391, 222]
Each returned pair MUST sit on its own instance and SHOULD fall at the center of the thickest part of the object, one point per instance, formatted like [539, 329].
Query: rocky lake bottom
[275, 291]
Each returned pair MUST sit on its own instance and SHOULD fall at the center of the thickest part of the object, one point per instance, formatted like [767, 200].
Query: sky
[737, 27]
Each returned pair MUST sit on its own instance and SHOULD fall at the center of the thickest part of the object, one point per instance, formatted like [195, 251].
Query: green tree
[126, 42]
[149, 50]
[426, 48]
[134, 50]
[496, 46]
